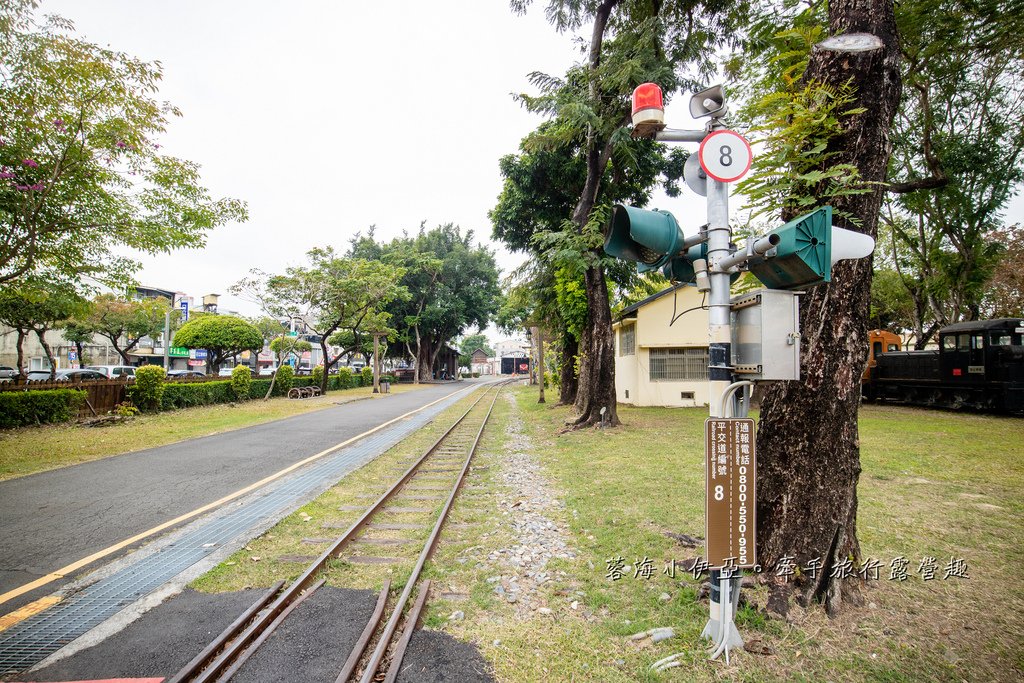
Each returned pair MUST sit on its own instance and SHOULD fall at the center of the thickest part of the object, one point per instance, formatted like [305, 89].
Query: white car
[113, 371]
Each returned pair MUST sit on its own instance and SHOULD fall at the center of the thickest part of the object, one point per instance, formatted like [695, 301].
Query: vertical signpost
[754, 336]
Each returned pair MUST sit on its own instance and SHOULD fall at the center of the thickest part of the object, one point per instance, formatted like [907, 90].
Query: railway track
[378, 652]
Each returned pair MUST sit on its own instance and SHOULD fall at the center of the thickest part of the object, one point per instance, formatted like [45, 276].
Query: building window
[674, 365]
[627, 341]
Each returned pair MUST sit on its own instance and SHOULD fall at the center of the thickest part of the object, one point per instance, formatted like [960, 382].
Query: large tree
[337, 298]
[35, 306]
[126, 321]
[808, 446]
[81, 174]
[452, 285]
[223, 337]
[958, 153]
[630, 42]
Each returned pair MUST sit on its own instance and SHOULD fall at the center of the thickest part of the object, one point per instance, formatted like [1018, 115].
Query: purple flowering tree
[80, 170]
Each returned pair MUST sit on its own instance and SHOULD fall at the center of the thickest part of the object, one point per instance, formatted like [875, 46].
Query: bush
[346, 380]
[188, 394]
[148, 390]
[258, 388]
[125, 409]
[241, 381]
[284, 377]
[317, 376]
[21, 408]
[367, 375]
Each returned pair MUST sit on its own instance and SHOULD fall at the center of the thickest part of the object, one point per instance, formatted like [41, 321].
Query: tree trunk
[540, 363]
[597, 372]
[807, 442]
[569, 382]
[21, 352]
[424, 364]
[327, 368]
[41, 334]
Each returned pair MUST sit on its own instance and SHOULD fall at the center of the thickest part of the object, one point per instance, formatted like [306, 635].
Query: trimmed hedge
[186, 395]
[23, 408]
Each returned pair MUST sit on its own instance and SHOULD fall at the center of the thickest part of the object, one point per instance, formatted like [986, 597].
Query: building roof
[630, 311]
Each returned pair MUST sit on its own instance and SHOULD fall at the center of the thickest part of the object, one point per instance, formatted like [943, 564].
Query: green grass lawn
[36, 449]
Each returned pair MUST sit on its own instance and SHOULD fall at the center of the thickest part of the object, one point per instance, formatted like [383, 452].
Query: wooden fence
[101, 395]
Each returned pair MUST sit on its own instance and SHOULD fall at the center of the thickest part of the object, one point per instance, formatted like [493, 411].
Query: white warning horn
[847, 244]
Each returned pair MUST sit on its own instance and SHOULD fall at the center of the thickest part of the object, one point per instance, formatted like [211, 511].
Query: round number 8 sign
[725, 156]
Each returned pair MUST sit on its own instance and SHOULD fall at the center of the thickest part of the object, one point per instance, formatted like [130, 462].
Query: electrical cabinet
[766, 335]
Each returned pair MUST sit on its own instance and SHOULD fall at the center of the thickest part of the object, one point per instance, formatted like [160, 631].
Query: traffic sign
[731, 496]
[725, 156]
[72, 355]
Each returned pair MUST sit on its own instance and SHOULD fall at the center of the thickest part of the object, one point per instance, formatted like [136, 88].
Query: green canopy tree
[223, 337]
[333, 294]
[452, 285]
[35, 306]
[126, 321]
[81, 174]
[472, 342]
[958, 153]
[631, 42]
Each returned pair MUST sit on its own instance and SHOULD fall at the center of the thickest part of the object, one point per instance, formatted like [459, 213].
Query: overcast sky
[328, 117]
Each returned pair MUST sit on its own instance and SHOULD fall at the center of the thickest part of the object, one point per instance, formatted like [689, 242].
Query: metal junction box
[766, 335]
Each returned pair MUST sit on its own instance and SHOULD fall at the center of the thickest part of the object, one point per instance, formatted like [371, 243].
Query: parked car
[226, 371]
[65, 375]
[267, 371]
[175, 374]
[113, 371]
[7, 372]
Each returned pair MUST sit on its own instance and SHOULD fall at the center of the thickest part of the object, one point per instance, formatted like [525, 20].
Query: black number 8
[725, 158]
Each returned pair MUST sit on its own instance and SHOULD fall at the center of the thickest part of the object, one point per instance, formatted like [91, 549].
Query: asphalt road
[51, 519]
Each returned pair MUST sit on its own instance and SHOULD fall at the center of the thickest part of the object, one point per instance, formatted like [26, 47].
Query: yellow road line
[74, 566]
[29, 610]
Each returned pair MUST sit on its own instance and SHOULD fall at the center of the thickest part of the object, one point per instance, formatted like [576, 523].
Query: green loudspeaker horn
[650, 238]
[803, 256]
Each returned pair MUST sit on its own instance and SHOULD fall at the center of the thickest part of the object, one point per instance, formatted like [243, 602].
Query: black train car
[978, 364]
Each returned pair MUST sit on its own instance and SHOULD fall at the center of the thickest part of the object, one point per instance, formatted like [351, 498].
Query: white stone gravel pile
[534, 514]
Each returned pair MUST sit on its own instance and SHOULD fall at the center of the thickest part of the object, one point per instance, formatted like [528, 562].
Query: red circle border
[700, 155]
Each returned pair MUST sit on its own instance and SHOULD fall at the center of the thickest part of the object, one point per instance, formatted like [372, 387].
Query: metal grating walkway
[33, 640]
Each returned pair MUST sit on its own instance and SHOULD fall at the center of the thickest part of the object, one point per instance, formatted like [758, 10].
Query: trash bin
[385, 387]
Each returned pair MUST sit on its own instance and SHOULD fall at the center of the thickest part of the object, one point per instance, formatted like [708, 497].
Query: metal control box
[766, 334]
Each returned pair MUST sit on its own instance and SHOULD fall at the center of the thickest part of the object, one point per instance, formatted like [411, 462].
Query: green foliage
[222, 336]
[958, 153]
[189, 394]
[284, 346]
[317, 376]
[367, 376]
[241, 381]
[283, 379]
[452, 284]
[795, 121]
[125, 321]
[148, 389]
[26, 408]
[83, 176]
[473, 342]
[126, 409]
[341, 299]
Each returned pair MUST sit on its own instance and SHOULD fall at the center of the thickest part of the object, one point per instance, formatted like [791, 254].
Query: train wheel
[295, 392]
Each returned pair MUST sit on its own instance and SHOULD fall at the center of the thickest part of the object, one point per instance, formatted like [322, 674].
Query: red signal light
[647, 96]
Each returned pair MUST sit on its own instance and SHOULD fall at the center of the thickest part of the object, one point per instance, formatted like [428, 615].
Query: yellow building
[659, 362]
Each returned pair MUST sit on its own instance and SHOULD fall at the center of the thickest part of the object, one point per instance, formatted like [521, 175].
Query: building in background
[661, 350]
